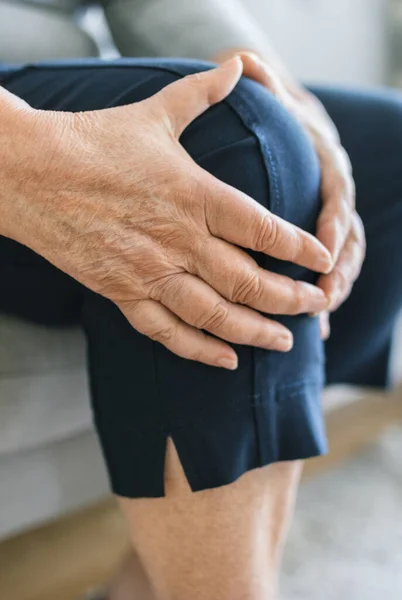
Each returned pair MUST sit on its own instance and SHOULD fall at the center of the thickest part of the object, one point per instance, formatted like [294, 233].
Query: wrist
[29, 142]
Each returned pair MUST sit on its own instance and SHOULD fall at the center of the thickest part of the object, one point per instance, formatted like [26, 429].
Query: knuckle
[341, 297]
[339, 183]
[163, 335]
[344, 186]
[167, 286]
[271, 81]
[358, 264]
[248, 290]
[193, 78]
[344, 159]
[299, 247]
[193, 82]
[267, 234]
[352, 189]
[297, 298]
[342, 280]
[196, 354]
[213, 320]
[359, 231]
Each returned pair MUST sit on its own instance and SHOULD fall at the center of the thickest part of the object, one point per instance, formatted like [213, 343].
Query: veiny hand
[123, 208]
[339, 226]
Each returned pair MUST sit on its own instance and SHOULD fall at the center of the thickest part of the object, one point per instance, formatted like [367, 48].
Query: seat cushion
[57, 478]
[43, 385]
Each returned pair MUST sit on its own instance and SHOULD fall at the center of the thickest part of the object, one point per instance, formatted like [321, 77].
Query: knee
[251, 142]
[287, 154]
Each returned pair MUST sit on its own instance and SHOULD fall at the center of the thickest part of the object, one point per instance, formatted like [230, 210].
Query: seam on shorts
[256, 401]
[163, 409]
[251, 121]
[239, 103]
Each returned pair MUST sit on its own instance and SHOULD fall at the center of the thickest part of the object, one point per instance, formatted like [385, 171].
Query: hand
[123, 208]
[339, 226]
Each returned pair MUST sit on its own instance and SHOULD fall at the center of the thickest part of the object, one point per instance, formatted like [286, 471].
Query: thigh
[222, 424]
[370, 126]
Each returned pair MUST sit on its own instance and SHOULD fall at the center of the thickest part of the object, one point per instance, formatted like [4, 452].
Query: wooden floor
[62, 560]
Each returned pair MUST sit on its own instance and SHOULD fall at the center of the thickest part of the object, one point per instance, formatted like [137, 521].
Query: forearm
[28, 153]
[12, 142]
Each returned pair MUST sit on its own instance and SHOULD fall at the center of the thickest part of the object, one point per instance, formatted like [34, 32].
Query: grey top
[60, 4]
[187, 28]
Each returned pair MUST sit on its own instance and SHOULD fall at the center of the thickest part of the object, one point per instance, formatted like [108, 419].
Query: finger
[325, 327]
[199, 305]
[238, 278]
[338, 284]
[337, 182]
[261, 71]
[186, 99]
[257, 69]
[158, 323]
[237, 218]
[338, 195]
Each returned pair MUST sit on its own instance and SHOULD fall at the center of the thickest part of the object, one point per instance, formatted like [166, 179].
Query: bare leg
[130, 582]
[223, 543]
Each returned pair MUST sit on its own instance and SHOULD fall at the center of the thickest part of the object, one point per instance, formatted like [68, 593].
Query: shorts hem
[216, 449]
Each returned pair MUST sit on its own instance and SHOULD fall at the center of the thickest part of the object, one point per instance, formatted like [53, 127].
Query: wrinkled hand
[125, 210]
[339, 226]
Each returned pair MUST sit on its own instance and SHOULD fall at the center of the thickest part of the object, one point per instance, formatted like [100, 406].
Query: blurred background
[356, 42]
[60, 534]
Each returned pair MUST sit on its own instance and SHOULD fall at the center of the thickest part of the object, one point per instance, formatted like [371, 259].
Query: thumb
[257, 69]
[186, 99]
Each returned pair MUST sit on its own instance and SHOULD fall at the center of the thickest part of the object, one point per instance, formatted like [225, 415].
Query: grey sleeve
[186, 28]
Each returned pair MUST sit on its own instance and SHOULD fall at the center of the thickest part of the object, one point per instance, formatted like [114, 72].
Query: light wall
[328, 40]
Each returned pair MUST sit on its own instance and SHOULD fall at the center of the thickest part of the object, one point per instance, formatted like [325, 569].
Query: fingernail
[317, 300]
[229, 62]
[228, 362]
[333, 300]
[255, 58]
[284, 343]
[325, 263]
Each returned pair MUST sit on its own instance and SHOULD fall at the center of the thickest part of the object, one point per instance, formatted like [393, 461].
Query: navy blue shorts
[225, 423]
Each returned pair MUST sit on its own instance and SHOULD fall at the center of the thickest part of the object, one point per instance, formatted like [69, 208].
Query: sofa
[50, 460]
